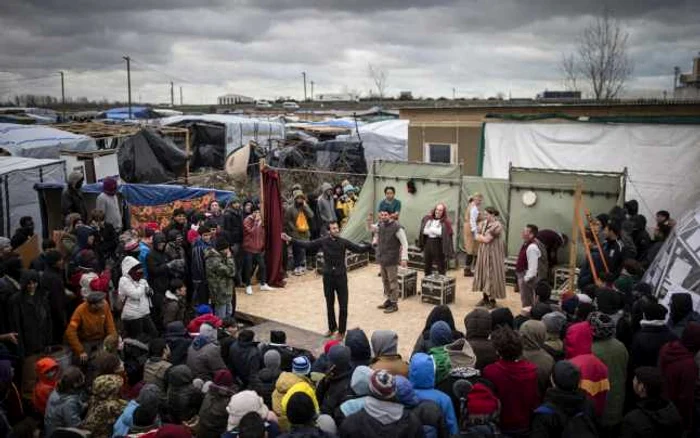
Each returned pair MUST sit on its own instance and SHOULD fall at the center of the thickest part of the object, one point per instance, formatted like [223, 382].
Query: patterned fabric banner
[161, 214]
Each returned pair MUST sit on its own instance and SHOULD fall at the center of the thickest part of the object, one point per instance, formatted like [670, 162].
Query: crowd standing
[148, 318]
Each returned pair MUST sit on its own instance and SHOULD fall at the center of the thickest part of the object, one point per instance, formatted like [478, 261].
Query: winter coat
[233, 226]
[653, 418]
[47, 373]
[133, 293]
[284, 383]
[678, 327]
[72, 196]
[287, 354]
[533, 334]
[326, 206]
[221, 272]
[360, 351]
[154, 371]
[157, 265]
[478, 326]
[244, 360]
[445, 238]
[204, 358]
[422, 376]
[578, 339]
[207, 318]
[677, 364]
[253, 236]
[87, 326]
[213, 417]
[516, 406]
[62, 410]
[197, 268]
[53, 288]
[30, 318]
[647, 343]
[263, 382]
[183, 399]
[333, 389]
[614, 355]
[362, 424]
[558, 409]
[290, 221]
[393, 363]
[173, 308]
[105, 406]
[594, 380]
[178, 341]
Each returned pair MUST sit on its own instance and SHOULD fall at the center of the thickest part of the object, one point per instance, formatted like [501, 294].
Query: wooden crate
[352, 261]
[408, 282]
[438, 289]
[416, 260]
[511, 278]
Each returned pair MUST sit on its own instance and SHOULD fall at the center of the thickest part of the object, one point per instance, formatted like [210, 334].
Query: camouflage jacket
[221, 271]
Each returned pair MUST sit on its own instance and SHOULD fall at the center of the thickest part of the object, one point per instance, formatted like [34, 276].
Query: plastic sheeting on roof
[387, 140]
[137, 112]
[34, 141]
[159, 194]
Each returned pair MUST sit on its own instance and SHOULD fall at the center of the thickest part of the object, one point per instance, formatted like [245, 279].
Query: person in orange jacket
[48, 372]
[90, 324]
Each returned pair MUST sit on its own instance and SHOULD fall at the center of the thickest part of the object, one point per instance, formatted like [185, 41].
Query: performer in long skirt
[490, 274]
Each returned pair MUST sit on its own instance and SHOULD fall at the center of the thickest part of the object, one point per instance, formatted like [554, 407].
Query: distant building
[569, 95]
[687, 85]
[233, 99]
[405, 95]
[334, 97]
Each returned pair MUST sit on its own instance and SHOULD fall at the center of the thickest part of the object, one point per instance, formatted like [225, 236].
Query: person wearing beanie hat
[301, 366]
[566, 411]
[382, 415]
[323, 364]
[285, 382]
[244, 402]
[90, 324]
[263, 382]
[569, 305]
[654, 416]
[297, 224]
[483, 408]
[440, 334]
[554, 323]
[533, 334]
[72, 200]
[653, 334]
[204, 354]
[149, 397]
[244, 357]
[539, 310]
[213, 414]
[333, 389]
[359, 384]
[422, 370]
[221, 274]
[108, 202]
[614, 355]
[386, 357]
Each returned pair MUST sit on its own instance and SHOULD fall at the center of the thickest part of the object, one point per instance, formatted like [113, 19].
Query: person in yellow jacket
[297, 223]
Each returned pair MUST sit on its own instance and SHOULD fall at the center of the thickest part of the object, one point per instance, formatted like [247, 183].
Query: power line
[150, 67]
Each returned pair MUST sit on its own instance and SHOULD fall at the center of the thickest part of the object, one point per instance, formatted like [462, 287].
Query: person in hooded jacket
[104, 406]
[427, 411]
[385, 345]
[653, 335]
[359, 384]
[157, 365]
[335, 386]
[134, 293]
[149, 397]
[48, 372]
[534, 334]
[178, 341]
[438, 313]
[241, 405]
[53, 287]
[72, 200]
[478, 329]
[360, 350]
[106, 237]
[204, 354]
[244, 358]
[183, 400]
[422, 376]
[654, 416]
[65, 407]
[174, 303]
[221, 273]
[554, 323]
[677, 364]
[263, 382]
[301, 409]
[682, 313]
[326, 208]
[301, 371]
[158, 276]
[88, 277]
[23, 233]
[213, 417]
[565, 407]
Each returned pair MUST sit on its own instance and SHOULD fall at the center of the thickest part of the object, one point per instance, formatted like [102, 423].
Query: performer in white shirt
[435, 239]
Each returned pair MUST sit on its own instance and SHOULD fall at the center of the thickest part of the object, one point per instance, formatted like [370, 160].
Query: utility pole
[180, 96]
[128, 80]
[312, 90]
[454, 93]
[63, 98]
[172, 95]
[304, 76]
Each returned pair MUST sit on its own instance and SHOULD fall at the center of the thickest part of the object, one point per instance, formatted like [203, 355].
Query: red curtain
[274, 218]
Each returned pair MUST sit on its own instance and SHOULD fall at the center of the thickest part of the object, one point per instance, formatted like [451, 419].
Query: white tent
[239, 130]
[661, 160]
[34, 141]
[386, 140]
[17, 198]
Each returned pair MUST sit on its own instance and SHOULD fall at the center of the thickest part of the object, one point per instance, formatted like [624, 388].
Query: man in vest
[392, 249]
[531, 265]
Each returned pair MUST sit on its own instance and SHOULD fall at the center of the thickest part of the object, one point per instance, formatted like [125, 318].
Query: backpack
[577, 426]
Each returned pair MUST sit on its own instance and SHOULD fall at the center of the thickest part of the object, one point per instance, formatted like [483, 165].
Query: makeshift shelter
[233, 131]
[122, 113]
[148, 157]
[661, 159]
[40, 141]
[386, 140]
[676, 267]
[17, 176]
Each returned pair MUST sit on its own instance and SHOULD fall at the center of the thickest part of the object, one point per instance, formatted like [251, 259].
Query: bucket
[61, 354]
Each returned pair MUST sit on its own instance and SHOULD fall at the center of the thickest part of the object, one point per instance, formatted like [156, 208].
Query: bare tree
[568, 69]
[379, 77]
[601, 58]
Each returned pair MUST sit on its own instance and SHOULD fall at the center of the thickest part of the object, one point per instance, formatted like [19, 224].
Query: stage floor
[301, 304]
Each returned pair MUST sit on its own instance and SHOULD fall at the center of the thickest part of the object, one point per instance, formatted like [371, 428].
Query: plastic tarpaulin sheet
[158, 194]
[34, 141]
[345, 156]
[387, 140]
[137, 112]
[662, 160]
[17, 177]
[147, 157]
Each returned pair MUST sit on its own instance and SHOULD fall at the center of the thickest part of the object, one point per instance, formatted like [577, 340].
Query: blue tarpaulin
[159, 194]
[137, 112]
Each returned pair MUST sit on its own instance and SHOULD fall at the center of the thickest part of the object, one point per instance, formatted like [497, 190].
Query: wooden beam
[573, 248]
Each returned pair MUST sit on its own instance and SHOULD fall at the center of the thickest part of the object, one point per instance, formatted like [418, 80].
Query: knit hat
[329, 344]
[440, 333]
[173, 431]
[405, 393]
[243, 402]
[566, 376]
[95, 297]
[204, 309]
[382, 385]
[109, 186]
[554, 322]
[296, 194]
[349, 188]
[569, 306]
[207, 332]
[654, 312]
[602, 325]
[482, 402]
[359, 382]
[272, 359]
[339, 355]
[87, 259]
[301, 366]
[278, 337]
[223, 378]
[539, 310]
[221, 244]
[502, 316]
[131, 244]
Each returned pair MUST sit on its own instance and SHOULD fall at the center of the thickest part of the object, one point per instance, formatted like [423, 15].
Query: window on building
[445, 153]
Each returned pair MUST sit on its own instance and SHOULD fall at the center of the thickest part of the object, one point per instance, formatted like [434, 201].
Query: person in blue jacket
[421, 373]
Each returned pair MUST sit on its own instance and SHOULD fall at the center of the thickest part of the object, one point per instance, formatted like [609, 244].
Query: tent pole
[187, 152]
[262, 190]
[573, 248]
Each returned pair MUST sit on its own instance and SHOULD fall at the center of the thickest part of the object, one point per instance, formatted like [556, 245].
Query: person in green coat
[297, 224]
[614, 355]
[221, 272]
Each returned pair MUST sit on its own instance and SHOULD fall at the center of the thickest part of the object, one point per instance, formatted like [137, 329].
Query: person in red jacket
[579, 335]
[48, 373]
[594, 373]
[205, 314]
[254, 250]
[515, 381]
[677, 364]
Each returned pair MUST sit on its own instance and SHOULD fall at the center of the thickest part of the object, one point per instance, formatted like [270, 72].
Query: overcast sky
[259, 48]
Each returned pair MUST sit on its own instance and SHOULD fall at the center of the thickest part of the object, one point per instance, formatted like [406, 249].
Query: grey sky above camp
[260, 47]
